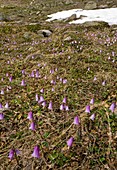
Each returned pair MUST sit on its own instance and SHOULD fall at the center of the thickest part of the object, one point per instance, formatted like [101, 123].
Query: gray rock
[45, 33]
[90, 5]
[71, 18]
[103, 6]
[68, 38]
[4, 17]
[67, 2]
[95, 24]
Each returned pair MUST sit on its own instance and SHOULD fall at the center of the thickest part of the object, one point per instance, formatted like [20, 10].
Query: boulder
[45, 33]
[95, 24]
[90, 5]
[67, 2]
[4, 17]
[71, 18]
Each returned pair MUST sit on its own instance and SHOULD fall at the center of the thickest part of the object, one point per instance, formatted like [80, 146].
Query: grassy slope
[94, 142]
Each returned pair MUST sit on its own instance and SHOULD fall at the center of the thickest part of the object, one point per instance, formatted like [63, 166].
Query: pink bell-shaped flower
[70, 142]
[112, 107]
[87, 109]
[32, 126]
[76, 120]
[36, 152]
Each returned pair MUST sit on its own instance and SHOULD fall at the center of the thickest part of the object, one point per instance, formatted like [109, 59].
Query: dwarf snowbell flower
[1, 116]
[2, 91]
[37, 74]
[92, 117]
[76, 120]
[70, 142]
[36, 152]
[0, 106]
[42, 90]
[52, 89]
[62, 107]
[50, 106]
[64, 81]
[30, 116]
[87, 109]
[112, 107]
[66, 108]
[32, 74]
[53, 82]
[12, 153]
[44, 104]
[6, 105]
[92, 101]
[23, 71]
[41, 99]
[32, 126]
[103, 83]
[65, 100]
[23, 83]
[95, 79]
[10, 79]
[36, 97]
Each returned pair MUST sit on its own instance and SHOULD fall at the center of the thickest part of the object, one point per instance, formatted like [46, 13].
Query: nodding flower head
[87, 109]
[50, 106]
[70, 142]
[32, 126]
[112, 107]
[92, 117]
[36, 152]
[1, 116]
[12, 153]
[30, 116]
[92, 101]
[76, 120]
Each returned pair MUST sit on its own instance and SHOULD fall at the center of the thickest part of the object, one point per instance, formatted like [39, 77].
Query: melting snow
[108, 15]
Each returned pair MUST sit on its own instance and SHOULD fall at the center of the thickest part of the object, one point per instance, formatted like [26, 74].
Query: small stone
[90, 5]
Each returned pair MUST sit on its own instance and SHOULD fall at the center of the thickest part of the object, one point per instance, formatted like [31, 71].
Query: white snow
[108, 15]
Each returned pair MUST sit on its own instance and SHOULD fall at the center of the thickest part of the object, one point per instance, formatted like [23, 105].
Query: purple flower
[6, 105]
[2, 91]
[23, 83]
[42, 90]
[32, 126]
[65, 100]
[70, 142]
[36, 97]
[30, 116]
[10, 78]
[103, 83]
[41, 99]
[36, 152]
[87, 109]
[50, 106]
[32, 74]
[92, 117]
[92, 101]
[64, 81]
[12, 153]
[62, 107]
[0, 106]
[112, 107]
[1, 116]
[37, 74]
[95, 79]
[66, 108]
[44, 104]
[76, 120]
[23, 71]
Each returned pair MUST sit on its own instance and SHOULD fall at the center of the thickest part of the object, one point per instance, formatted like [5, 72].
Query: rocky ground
[70, 67]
